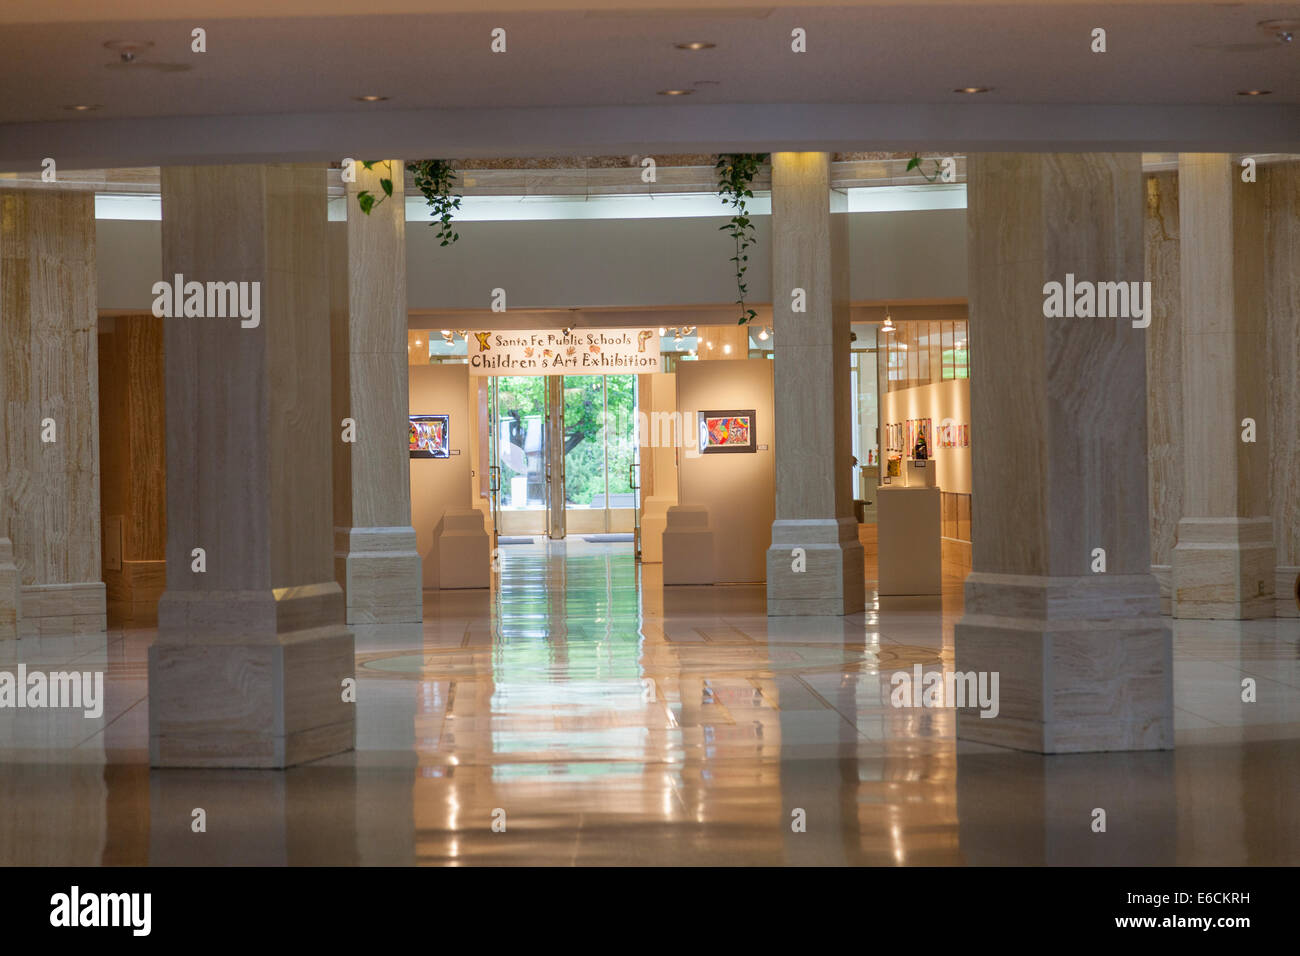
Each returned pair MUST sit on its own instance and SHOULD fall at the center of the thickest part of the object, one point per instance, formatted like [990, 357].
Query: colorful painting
[727, 431]
[429, 436]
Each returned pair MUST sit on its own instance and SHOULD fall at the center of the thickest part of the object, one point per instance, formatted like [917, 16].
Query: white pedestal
[908, 528]
[464, 551]
[688, 546]
[654, 519]
[919, 474]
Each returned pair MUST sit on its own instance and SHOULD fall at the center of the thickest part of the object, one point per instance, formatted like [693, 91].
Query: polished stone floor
[598, 718]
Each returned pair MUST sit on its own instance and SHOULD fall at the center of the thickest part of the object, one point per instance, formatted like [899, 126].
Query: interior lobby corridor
[611, 721]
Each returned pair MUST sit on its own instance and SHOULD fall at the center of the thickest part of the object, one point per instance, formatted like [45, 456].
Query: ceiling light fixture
[889, 322]
[695, 45]
[676, 92]
[1254, 92]
[83, 107]
[1283, 30]
[762, 335]
[371, 98]
[127, 50]
[972, 89]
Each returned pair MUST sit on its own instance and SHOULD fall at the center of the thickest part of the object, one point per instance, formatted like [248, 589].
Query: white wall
[439, 484]
[738, 489]
[595, 262]
[937, 401]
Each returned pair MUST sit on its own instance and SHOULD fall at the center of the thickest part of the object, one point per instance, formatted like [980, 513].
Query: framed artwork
[728, 432]
[430, 436]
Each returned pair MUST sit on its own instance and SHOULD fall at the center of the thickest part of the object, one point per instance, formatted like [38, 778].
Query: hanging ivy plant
[917, 163]
[736, 172]
[365, 198]
[434, 178]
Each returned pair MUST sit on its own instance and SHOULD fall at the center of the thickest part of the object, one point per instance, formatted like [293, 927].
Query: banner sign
[551, 352]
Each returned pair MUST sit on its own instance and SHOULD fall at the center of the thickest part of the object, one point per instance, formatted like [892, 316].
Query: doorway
[563, 452]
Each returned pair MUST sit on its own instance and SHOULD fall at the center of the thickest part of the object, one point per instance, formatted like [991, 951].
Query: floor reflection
[580, 713]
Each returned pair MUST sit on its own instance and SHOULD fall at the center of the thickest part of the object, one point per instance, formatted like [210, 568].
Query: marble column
[375, 557]
[49, 510]
[1164, 378]
[1059, 459]
[814, 497]
[252, 649]
[1282, 241]
[1223, 564]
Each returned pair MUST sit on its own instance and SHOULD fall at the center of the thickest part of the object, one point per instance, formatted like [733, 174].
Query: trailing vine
[365, 198]
[434, 178]
[736, 172]
[916, 163]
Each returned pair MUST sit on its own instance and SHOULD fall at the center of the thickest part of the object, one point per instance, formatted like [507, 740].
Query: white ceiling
[875, 76]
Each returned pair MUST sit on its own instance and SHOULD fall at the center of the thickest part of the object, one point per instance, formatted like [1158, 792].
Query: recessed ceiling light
[1254, 92]
[84, 107]
[972, 89]
[695, 45]
[369, 99]
[1283, 30]
[676, 92]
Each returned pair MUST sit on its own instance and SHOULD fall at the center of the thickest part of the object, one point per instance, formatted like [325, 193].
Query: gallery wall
[937, 401]
[439, 484]
[738, 489]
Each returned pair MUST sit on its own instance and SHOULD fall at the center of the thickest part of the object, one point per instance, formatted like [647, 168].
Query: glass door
[519, 469]
[599, 442]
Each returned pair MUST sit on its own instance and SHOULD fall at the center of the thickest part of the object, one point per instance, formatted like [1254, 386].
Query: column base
[11, 602]
[381, 575]
[1083, 663]
[1224, 569]
[250, 678]
[1164, 575]
[832, 582]
[63, 609]
[1288, 591]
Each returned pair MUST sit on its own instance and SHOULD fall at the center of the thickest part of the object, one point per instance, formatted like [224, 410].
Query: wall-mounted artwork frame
[430, 436]
[728, 432]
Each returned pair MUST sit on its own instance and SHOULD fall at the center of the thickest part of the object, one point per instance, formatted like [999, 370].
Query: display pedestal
[919, 474]
[464, 550]
[654, 519]
[688, 546]
[908, 529]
